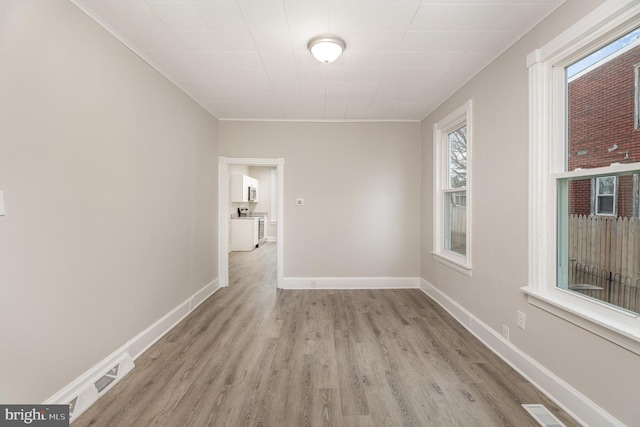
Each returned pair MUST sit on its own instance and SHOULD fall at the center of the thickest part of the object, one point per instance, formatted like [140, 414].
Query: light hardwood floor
[252, 355]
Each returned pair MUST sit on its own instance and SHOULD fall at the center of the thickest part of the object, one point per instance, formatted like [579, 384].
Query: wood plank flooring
[252, 355]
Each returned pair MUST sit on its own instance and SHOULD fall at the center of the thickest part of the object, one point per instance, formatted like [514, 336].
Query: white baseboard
[351, 282]
[580, 407]
[82, 387]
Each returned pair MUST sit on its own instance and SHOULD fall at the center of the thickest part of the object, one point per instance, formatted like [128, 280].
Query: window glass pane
[599, 256]
[605, 205]
[455, 227]
[457, 147]
[606, 185]
[602, 103]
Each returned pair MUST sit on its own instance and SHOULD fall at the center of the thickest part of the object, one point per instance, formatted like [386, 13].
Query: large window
[585, 158]
[452, 224]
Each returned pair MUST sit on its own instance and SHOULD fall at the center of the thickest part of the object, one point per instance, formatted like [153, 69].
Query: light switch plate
[1, 203]
[299, 202]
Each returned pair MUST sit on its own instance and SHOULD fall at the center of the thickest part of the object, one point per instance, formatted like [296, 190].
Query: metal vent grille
[107, 379]
[543, 416]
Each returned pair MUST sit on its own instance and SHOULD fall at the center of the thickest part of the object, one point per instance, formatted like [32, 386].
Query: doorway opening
[269, 174]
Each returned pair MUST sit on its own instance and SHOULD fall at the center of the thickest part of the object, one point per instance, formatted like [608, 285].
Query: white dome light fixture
[326, 48]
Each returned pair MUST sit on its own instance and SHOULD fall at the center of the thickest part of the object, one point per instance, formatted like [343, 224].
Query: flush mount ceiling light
[326, 48]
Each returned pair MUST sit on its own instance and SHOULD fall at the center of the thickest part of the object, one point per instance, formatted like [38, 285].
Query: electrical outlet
[522, 318]
[313, 283]
[1, 203]
[505, 332]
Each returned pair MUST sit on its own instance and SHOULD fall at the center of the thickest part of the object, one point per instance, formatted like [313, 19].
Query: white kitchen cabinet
[244, 234]
[239, 188]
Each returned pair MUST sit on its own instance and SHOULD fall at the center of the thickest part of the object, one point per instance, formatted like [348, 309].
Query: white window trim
[441, 129]
[546, 143]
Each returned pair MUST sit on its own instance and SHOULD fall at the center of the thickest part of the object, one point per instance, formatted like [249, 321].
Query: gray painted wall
[110, 182]
[361, 188]
[602, 371]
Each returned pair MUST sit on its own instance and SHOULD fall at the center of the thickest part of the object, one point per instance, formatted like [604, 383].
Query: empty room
[320, 212]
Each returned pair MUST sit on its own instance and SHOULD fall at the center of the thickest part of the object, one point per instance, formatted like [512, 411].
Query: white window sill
[611, 323]
[453, 263]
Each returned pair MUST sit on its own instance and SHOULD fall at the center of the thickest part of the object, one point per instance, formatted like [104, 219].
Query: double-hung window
[584, 234]
[606, 194]
[452, 187]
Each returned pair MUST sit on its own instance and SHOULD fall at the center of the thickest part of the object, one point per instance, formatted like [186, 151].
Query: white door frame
[224, 218]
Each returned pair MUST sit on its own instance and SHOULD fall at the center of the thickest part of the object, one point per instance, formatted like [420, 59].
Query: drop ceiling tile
[398, 74]
[185, 1]
[517, 17]
[353, 87]
[272, 40]
[357, 110]
[389, 90]
[245, 59]
[158, 40]
[403, 110]
[451, 17]
[311, 86]
[190, 74]
[408, 59]
[342, 74]
[419, 41]
[303, 110]
[221, 17]
[312, 73]
[458, 40]
[414, 92]
[346, 16]
[372, 41]
[307, 19]
[332, 96]
[265, 17]
[392, 17]
[282, 86]
[172, 59]
[555, 3]
[495, 41]
[442, 59]
[249, 76]
[137, 16]
[335, 110]
[218, 41]
[377, 113]
[280, 78]
[105, 14]
[367, 59]
[277, 60]
[472, 2]
[179, 16]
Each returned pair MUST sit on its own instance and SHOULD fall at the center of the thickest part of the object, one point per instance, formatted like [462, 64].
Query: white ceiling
[248, 59]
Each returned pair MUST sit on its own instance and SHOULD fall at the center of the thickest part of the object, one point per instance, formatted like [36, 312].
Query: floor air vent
[104, 381]
[109, 375]
[543, 416]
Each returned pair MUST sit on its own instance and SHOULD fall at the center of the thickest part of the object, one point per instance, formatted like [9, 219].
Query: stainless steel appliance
[253, 194]
[261, 230]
